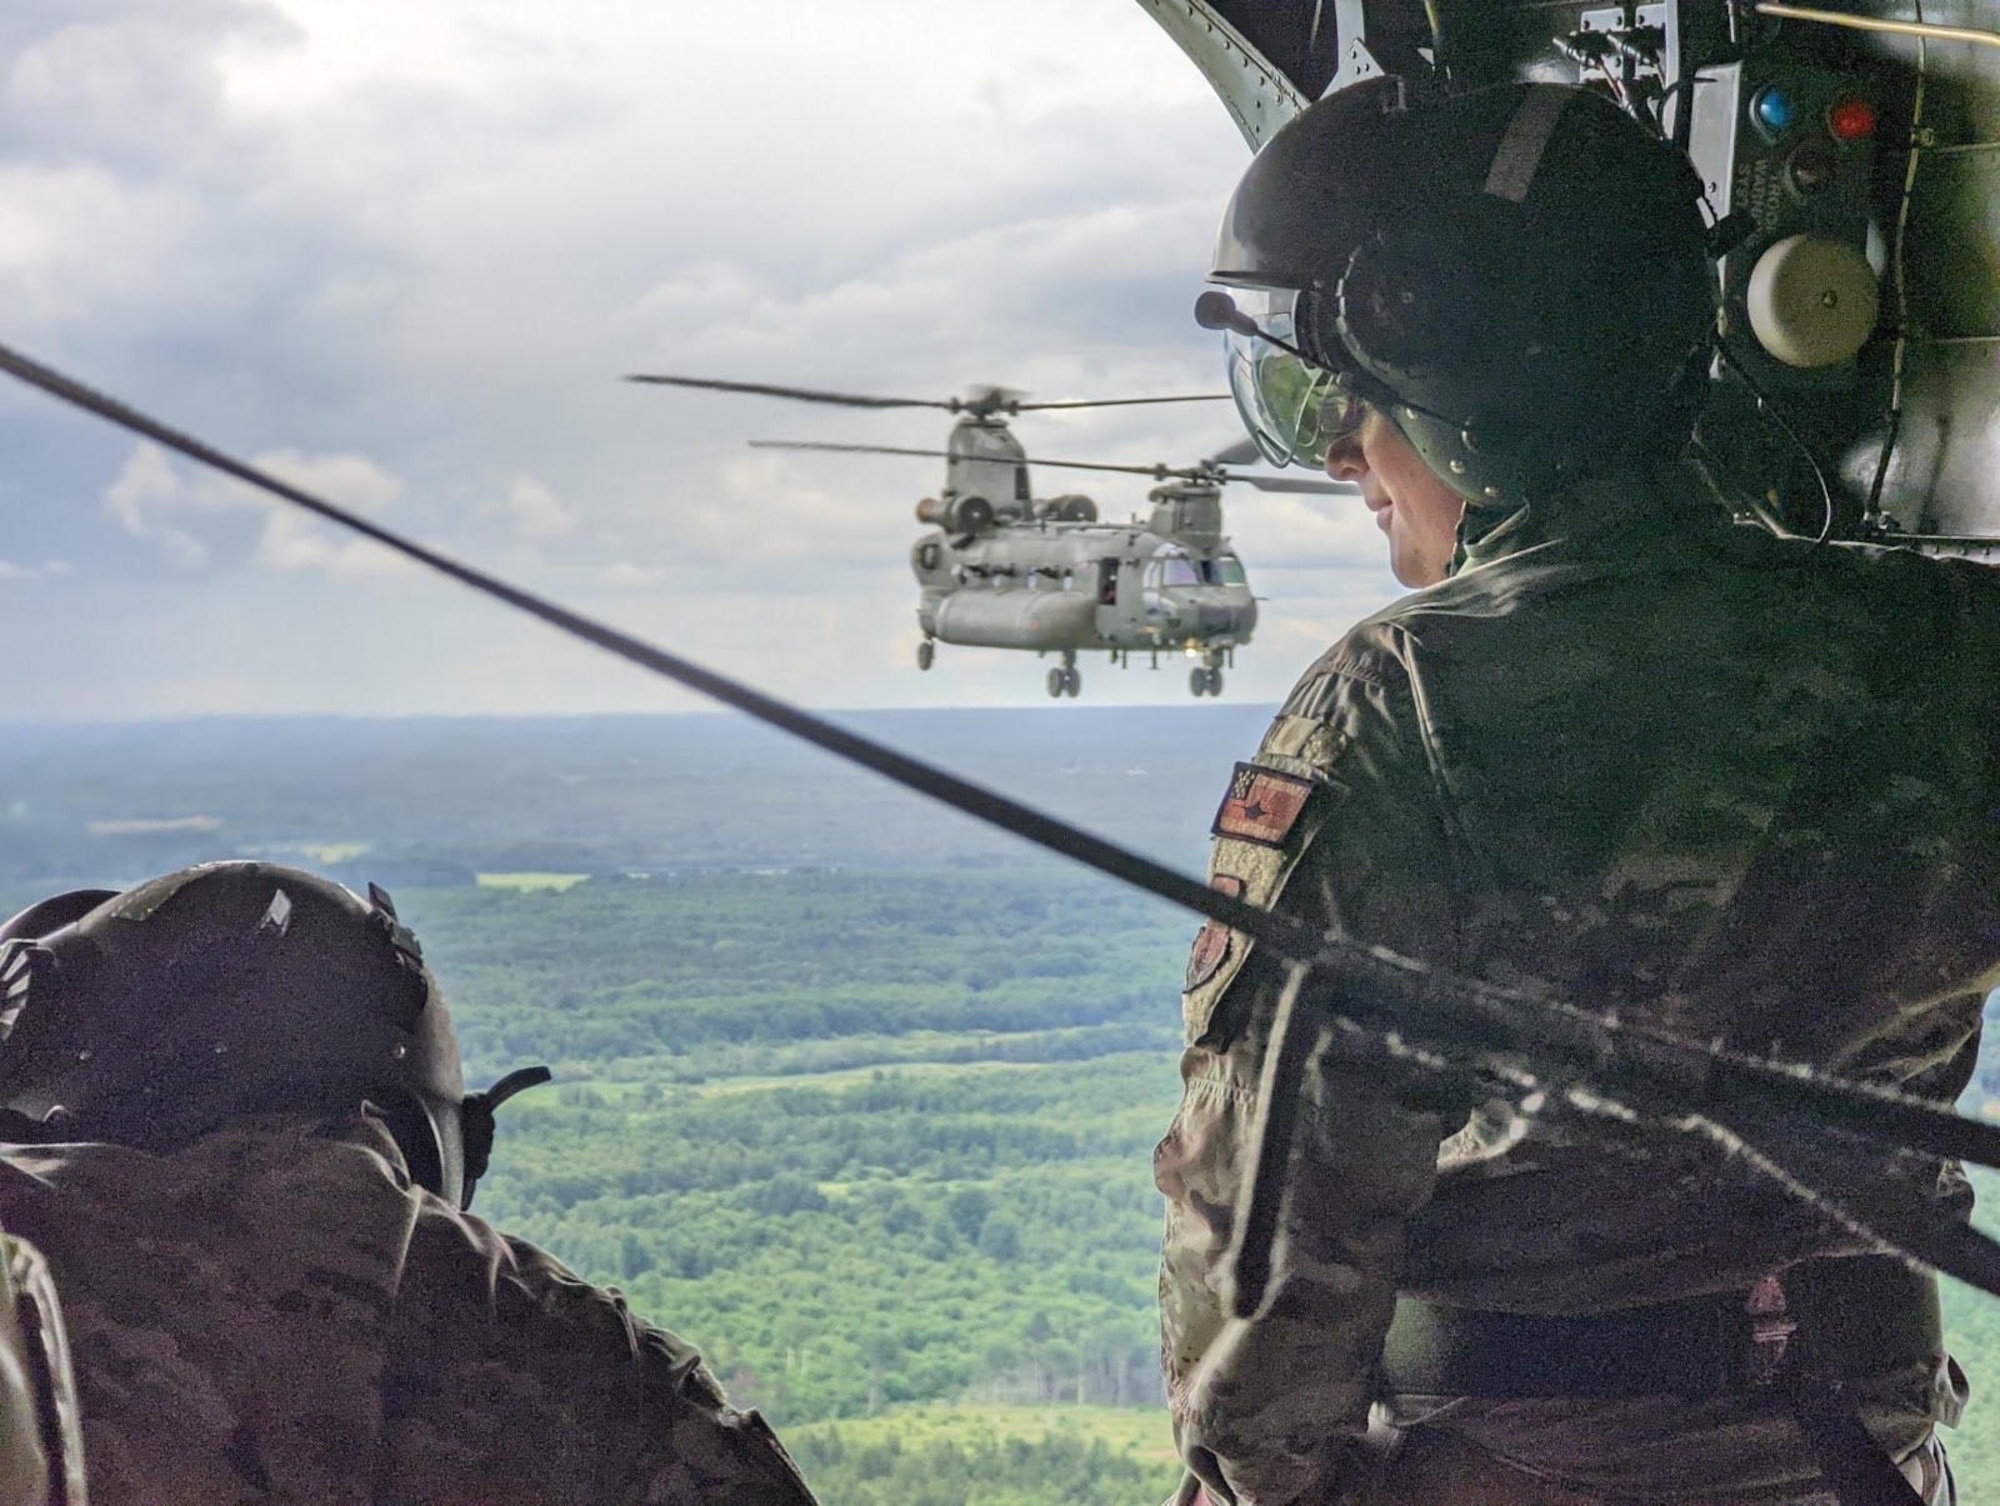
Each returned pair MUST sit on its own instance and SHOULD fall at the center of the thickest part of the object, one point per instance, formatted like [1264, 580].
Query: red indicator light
[1851, 119]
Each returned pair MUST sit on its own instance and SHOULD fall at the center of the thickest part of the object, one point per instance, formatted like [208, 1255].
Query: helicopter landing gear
[1205, 679]
[926, 653]
[1066, 680]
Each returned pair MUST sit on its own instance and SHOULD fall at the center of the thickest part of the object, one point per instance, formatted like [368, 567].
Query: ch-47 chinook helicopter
[1003, 568]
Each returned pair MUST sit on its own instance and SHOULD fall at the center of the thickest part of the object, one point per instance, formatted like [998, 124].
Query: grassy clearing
[336, 852]
[528, 882]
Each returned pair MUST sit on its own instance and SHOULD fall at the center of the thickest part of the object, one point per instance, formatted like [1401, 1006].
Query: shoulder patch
[1262, 805]
[1211, 943]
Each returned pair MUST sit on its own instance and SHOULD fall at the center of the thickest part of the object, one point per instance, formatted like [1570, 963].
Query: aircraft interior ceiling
[1925, 385]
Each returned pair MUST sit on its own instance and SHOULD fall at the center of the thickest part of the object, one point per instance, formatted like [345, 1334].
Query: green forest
[855, 1094]
[879, 1143]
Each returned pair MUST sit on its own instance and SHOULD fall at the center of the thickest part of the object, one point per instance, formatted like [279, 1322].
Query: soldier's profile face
[1412, 506]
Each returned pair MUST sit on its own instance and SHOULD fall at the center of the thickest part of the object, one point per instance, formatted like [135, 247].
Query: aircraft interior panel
[1861, 284]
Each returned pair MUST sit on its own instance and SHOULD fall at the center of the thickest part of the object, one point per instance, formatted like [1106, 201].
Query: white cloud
[626, 576]
[404, 252]
[294, 540]
[174, 505]
[349, 480]
[149, 493]
[538, 513]
[47, 570]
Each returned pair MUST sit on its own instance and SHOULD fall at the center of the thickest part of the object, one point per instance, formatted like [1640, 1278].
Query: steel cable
[1675, 1080]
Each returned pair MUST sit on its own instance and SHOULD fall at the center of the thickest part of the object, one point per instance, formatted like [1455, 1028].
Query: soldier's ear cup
[1407, 307]
[1444, 296]
[1431, 307]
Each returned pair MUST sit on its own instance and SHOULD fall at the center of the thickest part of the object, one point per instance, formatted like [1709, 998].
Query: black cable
[988, 805]
[1768, 410]
[1872, 515]
[1668, 1076]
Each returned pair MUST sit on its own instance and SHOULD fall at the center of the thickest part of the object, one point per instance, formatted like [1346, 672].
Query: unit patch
[1262, 805]
[1211, 944]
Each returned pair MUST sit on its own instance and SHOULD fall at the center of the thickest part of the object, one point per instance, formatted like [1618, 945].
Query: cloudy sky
[400, 251]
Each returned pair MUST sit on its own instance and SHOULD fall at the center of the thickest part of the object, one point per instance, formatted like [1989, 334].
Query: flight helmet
[156, 1015]
[1518, 278]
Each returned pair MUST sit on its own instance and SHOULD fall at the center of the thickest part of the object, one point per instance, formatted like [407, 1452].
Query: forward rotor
[979, 402]
[1211, 470]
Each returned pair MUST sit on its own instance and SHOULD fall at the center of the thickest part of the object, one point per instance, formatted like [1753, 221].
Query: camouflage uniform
[1639, 758]
[275, 1314]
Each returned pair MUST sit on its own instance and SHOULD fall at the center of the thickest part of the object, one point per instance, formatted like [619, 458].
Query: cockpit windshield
[1170, 567]
[1224, 570]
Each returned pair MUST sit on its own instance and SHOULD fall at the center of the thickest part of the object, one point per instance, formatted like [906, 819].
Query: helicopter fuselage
[1167, 584]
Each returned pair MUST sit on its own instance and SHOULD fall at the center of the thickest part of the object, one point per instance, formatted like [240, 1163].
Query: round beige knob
[1812, 300]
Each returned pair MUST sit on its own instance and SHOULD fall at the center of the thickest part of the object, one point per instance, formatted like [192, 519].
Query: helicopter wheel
[1072, 681]
[1215, 680]
[1198, 680]
[1058, 680]
[926, 652]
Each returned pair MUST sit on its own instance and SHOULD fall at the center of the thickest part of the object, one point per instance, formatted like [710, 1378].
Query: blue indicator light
[1775, 111]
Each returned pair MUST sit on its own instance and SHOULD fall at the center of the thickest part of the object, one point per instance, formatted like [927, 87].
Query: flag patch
[1211, 944]
[1262, 805]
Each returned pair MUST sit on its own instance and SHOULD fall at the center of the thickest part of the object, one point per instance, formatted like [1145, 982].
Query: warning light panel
[1775, 110]
[1851, 119]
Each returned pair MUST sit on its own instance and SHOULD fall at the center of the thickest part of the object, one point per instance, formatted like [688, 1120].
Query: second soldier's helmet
[157, 1015]
[1518, 278]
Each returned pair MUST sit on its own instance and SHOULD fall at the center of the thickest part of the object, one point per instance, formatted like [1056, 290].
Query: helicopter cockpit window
[1224, 570]
[1171, 568]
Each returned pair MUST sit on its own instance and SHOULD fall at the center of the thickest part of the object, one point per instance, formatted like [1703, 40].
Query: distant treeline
[680, 974]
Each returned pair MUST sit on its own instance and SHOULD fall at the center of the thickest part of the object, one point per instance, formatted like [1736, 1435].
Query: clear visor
[1293, 410]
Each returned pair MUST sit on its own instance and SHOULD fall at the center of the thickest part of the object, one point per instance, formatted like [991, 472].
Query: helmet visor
[1293, 410]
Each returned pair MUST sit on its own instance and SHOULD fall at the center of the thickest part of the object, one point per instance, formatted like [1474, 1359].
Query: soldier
[247, 1151]
[1616, 750]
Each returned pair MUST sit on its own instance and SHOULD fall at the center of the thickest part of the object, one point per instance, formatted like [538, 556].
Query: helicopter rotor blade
[1119, 402]
[1291, 484]
[983, 401]
[799, 394]
[846, 449]
[1202, 472]
[1243, 452]
[1157, 472]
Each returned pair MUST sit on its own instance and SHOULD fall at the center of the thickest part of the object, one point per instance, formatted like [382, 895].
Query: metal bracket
[1350, 21]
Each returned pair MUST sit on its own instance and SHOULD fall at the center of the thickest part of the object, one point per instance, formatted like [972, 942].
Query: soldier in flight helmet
[245, 1147]
[1613, 748]
[239, 988]
[1515, 282]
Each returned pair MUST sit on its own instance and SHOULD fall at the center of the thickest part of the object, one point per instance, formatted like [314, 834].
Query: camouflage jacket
[275, 1314]
[1639, 758]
